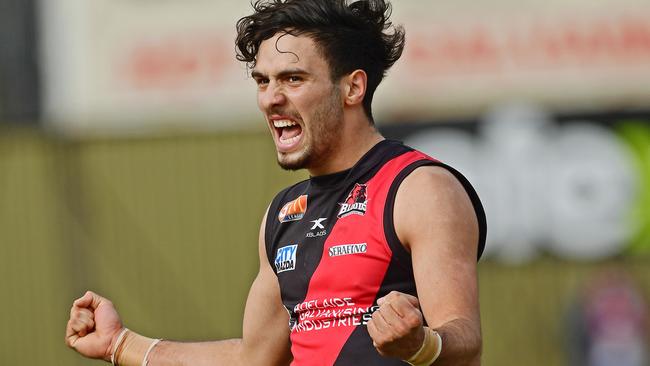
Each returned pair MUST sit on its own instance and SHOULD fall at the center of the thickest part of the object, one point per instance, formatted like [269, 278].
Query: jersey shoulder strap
[389, 227]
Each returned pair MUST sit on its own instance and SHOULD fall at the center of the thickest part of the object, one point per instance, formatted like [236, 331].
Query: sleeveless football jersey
[332, 244]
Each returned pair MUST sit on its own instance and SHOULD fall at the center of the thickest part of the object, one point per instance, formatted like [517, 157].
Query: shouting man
[372, 260]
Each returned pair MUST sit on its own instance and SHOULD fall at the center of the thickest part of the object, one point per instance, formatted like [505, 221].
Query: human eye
[261, 81]
[294, 79]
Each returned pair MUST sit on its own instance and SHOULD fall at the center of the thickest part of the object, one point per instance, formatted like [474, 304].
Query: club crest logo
[294, 210]
[356, 202]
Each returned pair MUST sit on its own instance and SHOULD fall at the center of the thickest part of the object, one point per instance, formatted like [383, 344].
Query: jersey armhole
[270, 229]
[402, 256]
[272, 223]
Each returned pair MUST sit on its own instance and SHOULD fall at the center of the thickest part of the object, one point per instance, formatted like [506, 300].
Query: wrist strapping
[132, 349]
[119, 340]
[429, 351]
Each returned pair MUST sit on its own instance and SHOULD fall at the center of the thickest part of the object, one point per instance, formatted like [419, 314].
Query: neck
[357, 138]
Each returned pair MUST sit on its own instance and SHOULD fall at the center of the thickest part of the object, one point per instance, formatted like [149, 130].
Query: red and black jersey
[333, 246]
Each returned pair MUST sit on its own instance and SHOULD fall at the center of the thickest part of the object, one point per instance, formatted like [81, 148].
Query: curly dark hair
[351, 35]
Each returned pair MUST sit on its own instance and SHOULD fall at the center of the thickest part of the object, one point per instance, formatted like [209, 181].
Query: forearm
[272, 351]
[227, 352]
[461, 343]
[132, 349]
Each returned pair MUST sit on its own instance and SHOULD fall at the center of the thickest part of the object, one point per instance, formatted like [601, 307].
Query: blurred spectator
[609, 323]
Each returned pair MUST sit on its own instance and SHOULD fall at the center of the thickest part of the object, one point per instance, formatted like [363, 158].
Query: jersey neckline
[371, 158]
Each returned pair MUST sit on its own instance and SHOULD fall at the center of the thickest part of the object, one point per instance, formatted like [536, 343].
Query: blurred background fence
[133, 162]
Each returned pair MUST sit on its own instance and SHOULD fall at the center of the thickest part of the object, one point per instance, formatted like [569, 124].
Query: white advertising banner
[129, 66]
[464, 56]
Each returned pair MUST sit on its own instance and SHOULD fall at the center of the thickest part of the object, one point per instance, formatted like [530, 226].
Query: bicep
[266, 321]
[436, 221]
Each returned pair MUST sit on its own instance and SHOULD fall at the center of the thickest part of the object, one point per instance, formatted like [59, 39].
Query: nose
[271, 96]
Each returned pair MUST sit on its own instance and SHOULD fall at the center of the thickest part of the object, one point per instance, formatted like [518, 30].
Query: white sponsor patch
[347, 249]
[285, 259]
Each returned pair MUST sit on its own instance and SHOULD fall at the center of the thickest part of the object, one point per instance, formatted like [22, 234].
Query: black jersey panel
[358, 350]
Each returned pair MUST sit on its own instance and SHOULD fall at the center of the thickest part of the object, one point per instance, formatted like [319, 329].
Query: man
[372, 261]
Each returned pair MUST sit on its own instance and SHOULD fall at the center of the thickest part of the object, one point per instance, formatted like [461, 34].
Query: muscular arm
[435, 220]
[94, 325]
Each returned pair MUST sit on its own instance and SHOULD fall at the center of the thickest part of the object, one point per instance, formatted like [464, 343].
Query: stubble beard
[323, 136]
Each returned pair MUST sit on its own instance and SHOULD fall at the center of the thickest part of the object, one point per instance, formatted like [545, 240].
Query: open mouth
[287, 133]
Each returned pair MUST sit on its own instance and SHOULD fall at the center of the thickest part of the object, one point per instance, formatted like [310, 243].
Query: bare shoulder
[431, 203]
[432, 178]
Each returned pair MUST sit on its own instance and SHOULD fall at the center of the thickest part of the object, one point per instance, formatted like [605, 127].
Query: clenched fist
[93, 325]
[396, 328]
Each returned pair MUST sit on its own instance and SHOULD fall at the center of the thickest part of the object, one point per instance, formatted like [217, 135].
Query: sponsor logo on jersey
[294, 210]
[318, 226]
[285, 259]
[317, 223]
[347, 249]
[356, 202]
[316, 234]
[323, 313]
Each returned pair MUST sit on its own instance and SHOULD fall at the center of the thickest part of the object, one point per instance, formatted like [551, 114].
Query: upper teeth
[283, 123]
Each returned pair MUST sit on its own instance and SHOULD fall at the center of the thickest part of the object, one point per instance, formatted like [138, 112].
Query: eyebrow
[256, 74]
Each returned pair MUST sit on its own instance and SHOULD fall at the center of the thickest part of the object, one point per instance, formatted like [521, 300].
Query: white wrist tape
[119, 340]
[145, 360]
[430, 349]
[132, 349]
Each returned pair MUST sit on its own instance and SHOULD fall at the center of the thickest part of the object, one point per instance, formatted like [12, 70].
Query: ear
[355, 87]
